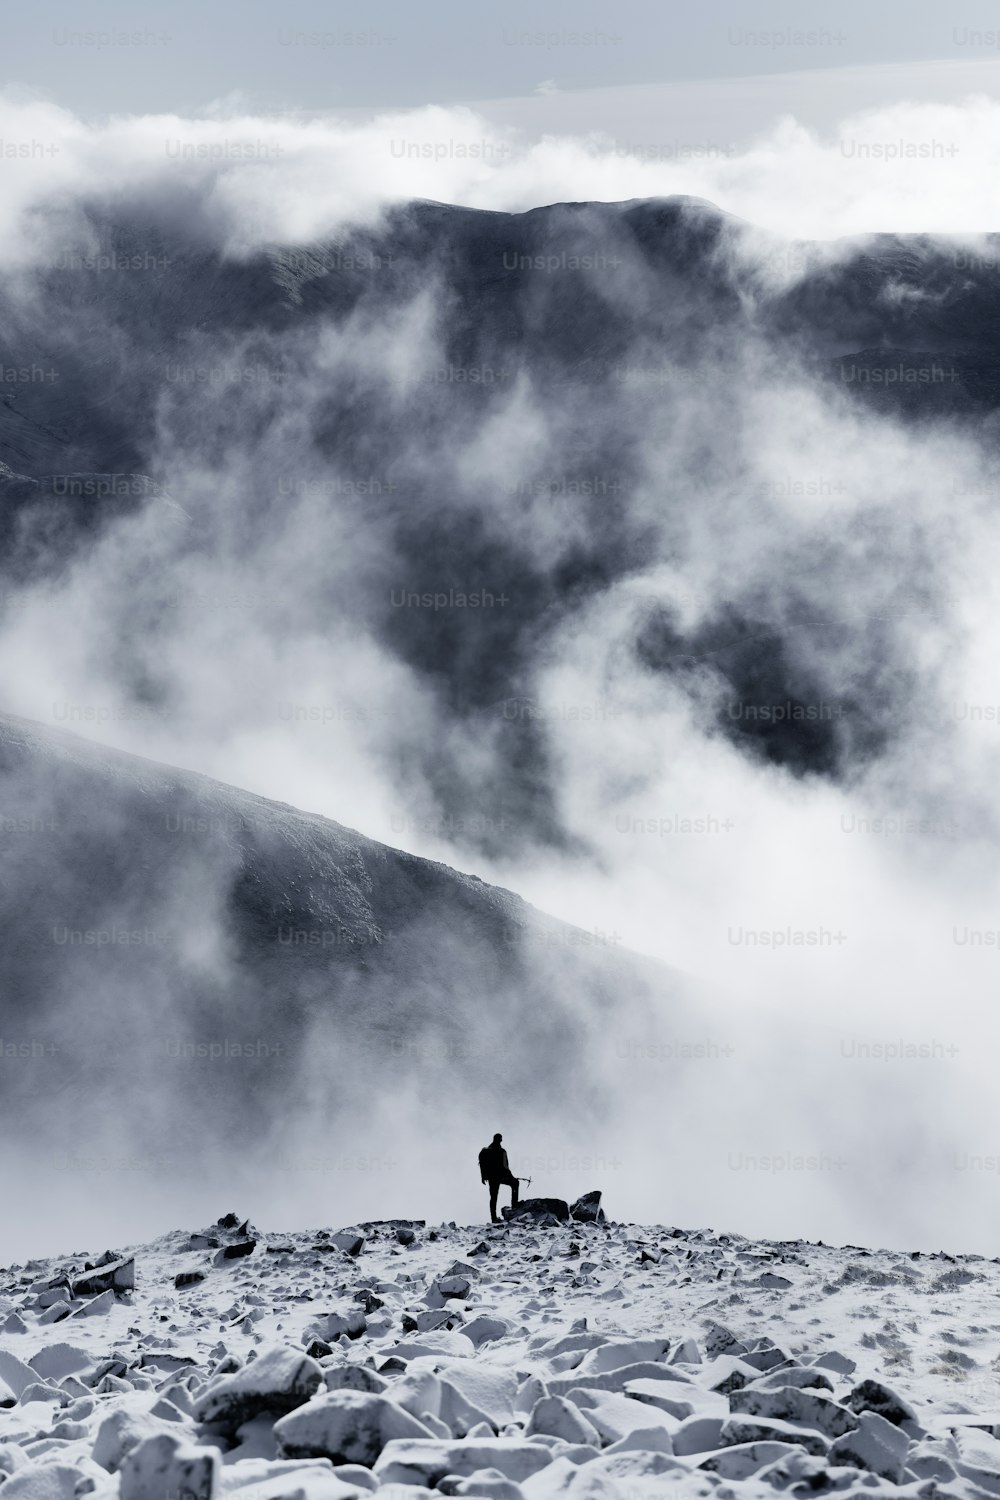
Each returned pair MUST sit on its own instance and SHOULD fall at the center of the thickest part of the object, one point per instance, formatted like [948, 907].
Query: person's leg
[494, 1189]
[514, 1186]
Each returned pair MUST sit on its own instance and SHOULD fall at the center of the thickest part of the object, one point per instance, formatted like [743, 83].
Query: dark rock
[368, 1300]
[165, 1465]
[108, 1367]
[535, 1208]
[112, 1276]
[188, 1278]
[370, 1225]
[167, 1360]
[228, 1221]
[352, 1378]
[349, 1241]
[236, 1251]
[319, 1348]
[872, 1395]
[765, 1357]
[587, 1208]
[744, 1432]
[719, 1340]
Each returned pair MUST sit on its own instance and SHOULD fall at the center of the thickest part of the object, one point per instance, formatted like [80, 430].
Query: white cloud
[905, 167]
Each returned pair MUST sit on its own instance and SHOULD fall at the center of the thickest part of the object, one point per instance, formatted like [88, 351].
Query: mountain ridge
[253, 923]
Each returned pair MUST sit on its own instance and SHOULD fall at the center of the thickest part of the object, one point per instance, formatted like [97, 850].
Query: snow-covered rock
[789, 1403]
[556, 1417]
[873, 1396]
[44, 1481]
[877, 1445]
[743, 1430]
[571, 1393]
[278, 1380]
[534, 1209]
[122, 1431]
[427, 1462]
[165, 1467]
[116, 1276]
[351, 1427]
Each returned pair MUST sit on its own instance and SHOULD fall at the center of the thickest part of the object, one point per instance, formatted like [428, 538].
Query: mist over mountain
[633, 558]
[458, 430]
[191, 971]
[285, 935]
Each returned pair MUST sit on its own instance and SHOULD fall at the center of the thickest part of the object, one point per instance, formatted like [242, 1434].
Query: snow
[700, 1378]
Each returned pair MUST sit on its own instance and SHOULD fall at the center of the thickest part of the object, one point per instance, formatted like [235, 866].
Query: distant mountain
[529, 408]
[125, 304]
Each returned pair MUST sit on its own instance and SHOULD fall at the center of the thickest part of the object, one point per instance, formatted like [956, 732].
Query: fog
[737, 710]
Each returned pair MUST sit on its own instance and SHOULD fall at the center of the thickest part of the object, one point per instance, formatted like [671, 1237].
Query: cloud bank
[904, 168]
[739, 711]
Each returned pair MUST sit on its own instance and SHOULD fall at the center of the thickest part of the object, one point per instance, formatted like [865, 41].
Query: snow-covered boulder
[278, 1380]
[617, 1353]
[117, 1276]
[122, 1431]
[792, 1404]
[538, 1208]
[554, 1416]
[43, 1481]
[347, 1317]
[876, 1445]
[353, 1378]
[872, 1395]
[743, 1430]
[349, 1427]
[165, 1467]
[742, 1459]
[427, 1462]
[486, 1328]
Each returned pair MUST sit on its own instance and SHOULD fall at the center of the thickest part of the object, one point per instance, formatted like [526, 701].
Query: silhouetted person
[495, 1169]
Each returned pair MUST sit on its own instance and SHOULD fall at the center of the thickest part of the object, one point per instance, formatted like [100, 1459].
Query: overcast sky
[109, 57]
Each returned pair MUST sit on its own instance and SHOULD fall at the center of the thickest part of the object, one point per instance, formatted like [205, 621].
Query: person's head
[497, 1138]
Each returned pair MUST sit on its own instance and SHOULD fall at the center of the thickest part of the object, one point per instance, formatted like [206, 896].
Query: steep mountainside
[152, 917]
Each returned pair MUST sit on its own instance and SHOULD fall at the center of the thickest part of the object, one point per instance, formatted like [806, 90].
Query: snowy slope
[578, 1358]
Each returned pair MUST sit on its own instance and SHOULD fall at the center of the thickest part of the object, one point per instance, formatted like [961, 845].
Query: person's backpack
[484, 1162]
